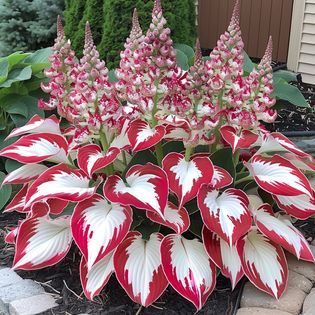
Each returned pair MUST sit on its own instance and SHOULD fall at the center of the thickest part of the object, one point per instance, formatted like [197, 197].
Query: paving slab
[260, 311]
[8, 277]
[32, 305]
[309, 303]
[302, 267]
[291, 301]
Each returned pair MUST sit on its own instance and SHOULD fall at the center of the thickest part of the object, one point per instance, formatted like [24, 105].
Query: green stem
[109, 169]
[158, 147]
[236, 157]
[244, 179]
[188, 152]
[124, 157]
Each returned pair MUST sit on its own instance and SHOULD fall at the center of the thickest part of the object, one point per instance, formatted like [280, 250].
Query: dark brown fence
[259, 19]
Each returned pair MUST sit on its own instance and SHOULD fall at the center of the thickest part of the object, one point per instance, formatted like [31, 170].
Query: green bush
[27, 25]
[110, 22]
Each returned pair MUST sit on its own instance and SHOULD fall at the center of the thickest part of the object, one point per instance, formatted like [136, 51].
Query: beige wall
[301, 57]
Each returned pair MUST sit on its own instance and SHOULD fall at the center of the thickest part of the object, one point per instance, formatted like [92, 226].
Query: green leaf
[248, 64]
[5, 191]
[187, 50]
[224, 158]
[147, 227]
[196, 223]
[12, 165]
[173, 146]
[5, 143]
[14, 104]
[181, 60]
[286, 75]
[112, 76]
[39, 59]
[16, 57]
[192, 206]
[4, 70]
[290, 93]
[142, 158]
[18, 74]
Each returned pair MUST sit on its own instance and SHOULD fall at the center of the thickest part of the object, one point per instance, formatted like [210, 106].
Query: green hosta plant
[20, 79]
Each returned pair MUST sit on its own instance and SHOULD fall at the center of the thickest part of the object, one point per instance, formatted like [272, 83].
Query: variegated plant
[161, 175]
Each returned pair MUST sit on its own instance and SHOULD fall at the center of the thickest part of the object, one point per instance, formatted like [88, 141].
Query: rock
[8, 276]
[297, 280]
[312, 246]
[20, 290]
[260, 311]
[3, 309]
[309, 303]
[35, 304]
[304, 268]
[291, 301]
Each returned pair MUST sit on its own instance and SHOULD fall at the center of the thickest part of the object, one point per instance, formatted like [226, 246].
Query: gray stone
[3, 309]
[291, 301]
[260, 311]
[35, 304]
[297, 280]
[19, 290]
[306, 144]
[309, 303]
[8, 277]
[304, 268]
[312, 247]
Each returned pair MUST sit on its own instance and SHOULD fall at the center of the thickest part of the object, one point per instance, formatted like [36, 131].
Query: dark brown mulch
[294, 118]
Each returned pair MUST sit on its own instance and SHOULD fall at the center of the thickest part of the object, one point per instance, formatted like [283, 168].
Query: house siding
[302, 41]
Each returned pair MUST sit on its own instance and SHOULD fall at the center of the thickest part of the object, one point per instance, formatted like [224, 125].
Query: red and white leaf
[238, 140]
[38, 147]
[37, 124]
[186, 177]
[146, 188]
[279, 176]
[221, 178]
[61, 182]
[56, 206]
[277, 142]
[226, 214]
[18, 201]
[122, 141]
[174, 217]
[25, 174]
[142, 136]
[263, 262]
[41, 241]
[188, 268]
[301, 207]
[280, 230]
[91, 158]
[94, 280]
[11, 236]
[177, 132]
[98, 227]
[138, 267]
[224, 256]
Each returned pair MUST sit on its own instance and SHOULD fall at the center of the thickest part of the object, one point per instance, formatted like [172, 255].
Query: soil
[293, 118]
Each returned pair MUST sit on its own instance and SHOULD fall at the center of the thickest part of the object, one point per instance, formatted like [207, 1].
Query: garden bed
[64, 281]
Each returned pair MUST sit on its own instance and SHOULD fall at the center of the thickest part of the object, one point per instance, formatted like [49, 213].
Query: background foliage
[111, 22]
[20, 78]
[28, 25]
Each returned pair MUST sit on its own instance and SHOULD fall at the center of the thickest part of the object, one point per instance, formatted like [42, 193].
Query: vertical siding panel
[215, 5]
[264, 29]
[223, 19]
[275, 23]
[254, 28]
[285, 30]
[245, 21]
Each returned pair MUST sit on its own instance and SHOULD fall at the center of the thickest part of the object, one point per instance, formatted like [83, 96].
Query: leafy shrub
[20, 79]
[27, 25]
[163, 174]
[110, 22]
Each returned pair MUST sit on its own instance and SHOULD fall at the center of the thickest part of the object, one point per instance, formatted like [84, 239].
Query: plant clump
[161, 174]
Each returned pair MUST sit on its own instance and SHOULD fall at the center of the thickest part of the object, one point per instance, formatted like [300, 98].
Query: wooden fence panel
[259, 19]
